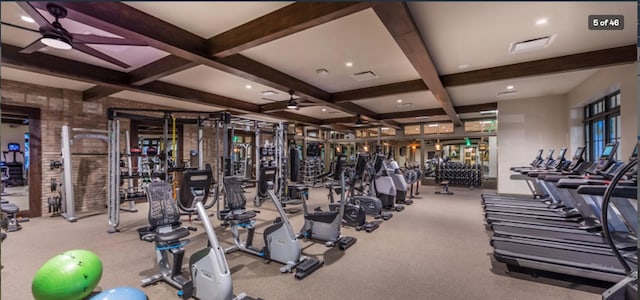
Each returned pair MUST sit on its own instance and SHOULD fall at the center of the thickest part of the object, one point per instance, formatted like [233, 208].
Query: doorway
[21, 159]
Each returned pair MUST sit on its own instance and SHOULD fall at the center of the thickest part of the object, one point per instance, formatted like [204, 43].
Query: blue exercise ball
[121, 293]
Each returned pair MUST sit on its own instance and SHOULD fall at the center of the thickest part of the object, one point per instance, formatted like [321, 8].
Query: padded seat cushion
[173, 235]
[323, 217]
[10, 208]
[245, 215]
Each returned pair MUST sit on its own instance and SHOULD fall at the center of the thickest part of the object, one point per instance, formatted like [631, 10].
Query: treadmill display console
[606, 159]
[578, 153]
[14, 147]
[562, 153]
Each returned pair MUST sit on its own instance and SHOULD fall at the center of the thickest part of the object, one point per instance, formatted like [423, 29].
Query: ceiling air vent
[506, 93]
[364, 76]
[404, 105]
[532, 44]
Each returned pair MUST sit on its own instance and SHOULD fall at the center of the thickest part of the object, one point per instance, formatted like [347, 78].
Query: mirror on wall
[15, 165]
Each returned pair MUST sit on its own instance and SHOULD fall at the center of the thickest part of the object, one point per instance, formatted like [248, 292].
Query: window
[488, 125]
[602, 125]
[412, 130]
[436, 128]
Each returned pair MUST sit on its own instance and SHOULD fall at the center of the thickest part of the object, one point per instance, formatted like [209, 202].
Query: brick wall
[65, 107]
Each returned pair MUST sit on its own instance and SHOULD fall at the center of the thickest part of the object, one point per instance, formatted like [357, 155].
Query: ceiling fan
[56, 36]
[294, 103]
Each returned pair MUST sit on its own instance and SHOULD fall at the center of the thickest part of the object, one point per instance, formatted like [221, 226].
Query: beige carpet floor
[436, 249]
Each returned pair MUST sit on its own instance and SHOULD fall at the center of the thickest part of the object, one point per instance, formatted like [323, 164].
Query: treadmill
[582, 260]
[620, 223]
[559, 166]
[606, 165]
[576, 166]
[537, 164]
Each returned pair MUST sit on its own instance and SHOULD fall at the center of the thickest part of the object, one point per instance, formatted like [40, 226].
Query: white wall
[493, 157]
[12, 134]
[524, 126]
[603, 82]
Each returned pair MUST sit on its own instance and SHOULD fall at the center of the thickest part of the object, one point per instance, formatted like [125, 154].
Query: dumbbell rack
[311, 169]
[459, 174]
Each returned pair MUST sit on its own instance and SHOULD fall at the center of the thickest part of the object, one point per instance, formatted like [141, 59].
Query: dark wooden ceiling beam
[97, 92]
[413, 114]
[477, 107]
[339, 127]
[165, 66]
[380, 91]
[398, 20]
[567, 63]
[338, 120]
[296, 117]
[280, 23]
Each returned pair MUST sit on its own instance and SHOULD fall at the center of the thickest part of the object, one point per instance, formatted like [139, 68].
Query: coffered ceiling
[445, 60]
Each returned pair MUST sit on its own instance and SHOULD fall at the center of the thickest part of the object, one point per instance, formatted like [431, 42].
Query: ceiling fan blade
[105, 40]
[93, 52]
[34, 14]
[33, 47]
[19, 27]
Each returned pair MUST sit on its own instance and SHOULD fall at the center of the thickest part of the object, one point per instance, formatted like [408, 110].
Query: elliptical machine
[371, 204]
[325, 225]
[210, 274]
[399, 182]
[382, 184]
[354, 215]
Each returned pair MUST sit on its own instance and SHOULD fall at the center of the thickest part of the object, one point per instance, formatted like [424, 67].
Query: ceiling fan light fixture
[292, 104]
[56, 42]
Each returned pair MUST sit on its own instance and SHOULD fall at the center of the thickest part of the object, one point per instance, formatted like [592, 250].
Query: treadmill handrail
[605, 212]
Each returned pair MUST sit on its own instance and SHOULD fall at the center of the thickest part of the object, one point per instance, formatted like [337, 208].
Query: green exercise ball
[67, 276]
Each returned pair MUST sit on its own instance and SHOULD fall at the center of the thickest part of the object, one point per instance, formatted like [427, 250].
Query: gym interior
[319, 150]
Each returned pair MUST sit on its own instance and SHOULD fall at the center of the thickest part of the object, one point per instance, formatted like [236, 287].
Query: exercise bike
[210, 275]
[280, 242]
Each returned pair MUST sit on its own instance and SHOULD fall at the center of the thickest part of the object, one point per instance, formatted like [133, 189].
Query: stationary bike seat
[245, 215]
[173, 235]
[10, 208]
[323, 216]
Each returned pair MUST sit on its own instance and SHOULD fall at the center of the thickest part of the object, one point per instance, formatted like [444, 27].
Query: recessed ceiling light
[248, 86]
[509, 87]
[324, 109]
[463, 66]
[399, 100]
[348, 64]
[541, 21]
[433, 125]
[417, 128]
[27, 19]
[384, 128]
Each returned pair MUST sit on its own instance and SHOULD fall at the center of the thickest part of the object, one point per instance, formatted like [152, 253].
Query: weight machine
[168, 157]
[69, 137]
